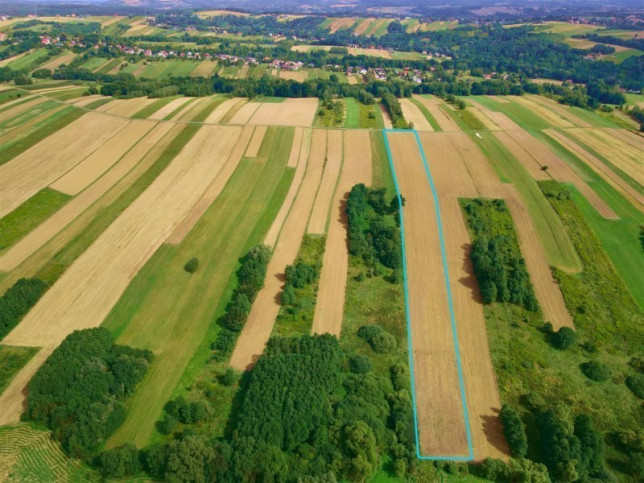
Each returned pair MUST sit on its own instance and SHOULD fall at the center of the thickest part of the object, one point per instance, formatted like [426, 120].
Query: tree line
[18, 300]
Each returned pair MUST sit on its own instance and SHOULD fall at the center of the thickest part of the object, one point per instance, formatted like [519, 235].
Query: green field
[28, 61]
[552, 235]
[29, 215]
[169, 311]
[12, 359]
[352, 117]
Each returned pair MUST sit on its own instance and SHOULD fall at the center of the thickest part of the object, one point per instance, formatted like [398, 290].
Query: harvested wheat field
[561, 110]
[534, 156]
[245, 112]
[500, 99]
[363, 26]
[295, 75]
[205, 69]
[385, 117]
[256, 142]
[546, 112]
[58, 61]
[453, 181]
[149, 147]
[628, 137]
[341, 24]
[442, 118]
[356, 168]
[213, 191]
[84, 101]
[412, 114]
[222, 109]
[290, 112]
[169, 108]
[333, 163]
[261, 319]
[20, 108]
[439, 405]
[612, 178]
[43, 163]
[297, 158]
[128, 107]
[94, 165]
[493, 120]
[625, 156]
[84, 295]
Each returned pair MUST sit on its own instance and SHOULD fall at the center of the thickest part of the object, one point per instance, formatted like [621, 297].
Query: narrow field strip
[85, 293]
[168, 109]
[300, 155]
[222, 109]
[440, 410]
[412, 114]
[129, 107]
[552, 106]
[356, 168]
[213, 191]
[94, 165]
[245, 112]
[45, 162]
[147, 148]
[320, 213]
[259, 325]
[20, 108]
[597, 165]
[442, 118]
[11, 136]
[548, 113]
[291, 112]
[628, 137]
[256, 142]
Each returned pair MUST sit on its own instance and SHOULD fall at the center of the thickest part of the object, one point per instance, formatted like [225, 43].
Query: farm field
[138, 214]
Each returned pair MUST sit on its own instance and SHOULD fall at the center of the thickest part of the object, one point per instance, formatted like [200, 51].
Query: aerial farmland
[284, 269]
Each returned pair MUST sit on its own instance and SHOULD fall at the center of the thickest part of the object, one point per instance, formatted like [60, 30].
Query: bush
[23, 80]
[119, 462]
[41, 74]
[191, 265]
[636, 384]
[229, 377]
[359, 364]
[18, 300]
[514, 431]
[380, 340]
[167, 424]
[596, 371]
[564, 338]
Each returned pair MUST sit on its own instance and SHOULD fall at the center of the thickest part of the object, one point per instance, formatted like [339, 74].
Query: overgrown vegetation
[79, 392]
[496, 256]
[12, 359]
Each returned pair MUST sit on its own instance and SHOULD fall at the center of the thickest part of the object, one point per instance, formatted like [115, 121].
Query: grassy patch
[62, 119]
[29, 215]
[180, 306]
[382, 176]
[296, 318]
[370, 116]
[352, 118]
[464, 118]
[329, 114]
[552, 234]
[12, 359]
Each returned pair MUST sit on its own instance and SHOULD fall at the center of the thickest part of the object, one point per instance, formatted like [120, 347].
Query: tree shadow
[470, 280]
[493, 430]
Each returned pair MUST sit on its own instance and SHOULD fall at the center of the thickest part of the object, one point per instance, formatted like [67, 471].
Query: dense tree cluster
[250, 279]
[298, 276]
[496, 257]
[17, 301]
[373, 231]
[379, 339]
[514, 431]
[79, 392]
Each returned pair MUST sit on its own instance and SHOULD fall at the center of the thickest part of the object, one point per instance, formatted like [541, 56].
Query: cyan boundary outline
[466, 416]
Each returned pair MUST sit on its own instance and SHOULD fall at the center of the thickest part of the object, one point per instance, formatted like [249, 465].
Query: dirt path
[87, 291]
[299, 153]
[261, 319]
[329, 308]
[322, 205]
[441, 422]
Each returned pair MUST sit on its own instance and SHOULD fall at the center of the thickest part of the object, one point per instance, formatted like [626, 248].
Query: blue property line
[466, 416]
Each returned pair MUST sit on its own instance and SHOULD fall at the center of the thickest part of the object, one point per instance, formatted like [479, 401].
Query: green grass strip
[29, 215]
[352, 118]
[150, 109]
